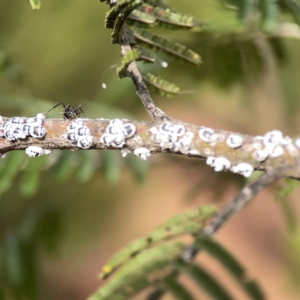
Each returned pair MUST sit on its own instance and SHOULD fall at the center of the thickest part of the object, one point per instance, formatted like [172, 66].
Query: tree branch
[223, 150]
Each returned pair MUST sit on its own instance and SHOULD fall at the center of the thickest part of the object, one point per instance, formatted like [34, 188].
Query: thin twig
[137, 79]
[239, 202]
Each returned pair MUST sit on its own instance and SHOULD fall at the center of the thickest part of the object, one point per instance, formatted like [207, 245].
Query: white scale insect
[20, 128]
[35, 151]
[79, 133]
[207, 135]
[116, 133]
[142, 153]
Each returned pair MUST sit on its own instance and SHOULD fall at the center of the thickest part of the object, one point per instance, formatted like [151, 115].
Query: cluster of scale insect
[142, 153]
[116, 133]
[79, 134]
[272, 145]
[20, 128]
[35, 151]
[173, 137]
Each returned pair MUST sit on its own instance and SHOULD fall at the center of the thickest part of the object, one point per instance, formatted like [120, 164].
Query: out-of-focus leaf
[30, 177]
[9, 168]
[161, 86]
[14, 262]
[178, 290]
[21, 104]
[138, 168]
[204, 280]
[175, 50]
[231, 265]
[35, 4]
[110, 165]
[87, 166]
[65, 165]
[283, 191]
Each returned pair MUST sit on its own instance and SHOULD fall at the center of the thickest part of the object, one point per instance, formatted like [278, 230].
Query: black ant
[70, 112]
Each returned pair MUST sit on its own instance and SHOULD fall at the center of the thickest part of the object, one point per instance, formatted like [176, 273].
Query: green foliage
[134, 276]
[189, 222]
[284, 191]
[153, 14]
[126, 60]
[231, 265]
[268, 10]
[35, 4]
[19, 267]
[161, 86]
[175, 50]
[136, 266]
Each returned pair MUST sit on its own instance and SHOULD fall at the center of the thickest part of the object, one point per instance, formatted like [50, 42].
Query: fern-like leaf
[269, 9]
[161, 86]
[294, 7]
[126, 60]
[135, 275]
[158, 43]
[112, 15]
[140, 19]
[203, 279]
[121, 18]
[188, 222]
[166, 18]
[231, 265]
[35, 4]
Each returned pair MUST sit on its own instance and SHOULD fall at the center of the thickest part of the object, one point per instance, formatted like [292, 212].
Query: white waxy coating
[292, 150]
[34, 151]
[142, 153]
[260, 155]
[107, 139]
[221, 163]
[37, 131]
[128, 130]
[112, 129]
[234, 141]
[277, 151]
[10, 135]
[18, 132]
[273, 138]
[178, 129]
[17, 120]
[297, 143]
[34, 121]
[85, 142]
[207, 135]
[153, 130]
[75, 124]
[165, 128]
[116, 122]
[41, 116]
[244, 169]
[286, 140]
[210, 160]
[125, 152]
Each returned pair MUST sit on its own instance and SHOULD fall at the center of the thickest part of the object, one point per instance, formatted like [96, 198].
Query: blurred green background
[59, 225]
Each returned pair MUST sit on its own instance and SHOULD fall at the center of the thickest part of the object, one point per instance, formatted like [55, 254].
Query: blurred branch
[224, 151]
[245, 196]
[230, 209]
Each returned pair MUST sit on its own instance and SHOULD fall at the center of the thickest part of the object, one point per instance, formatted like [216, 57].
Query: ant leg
[56, 106]
[80, 109]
